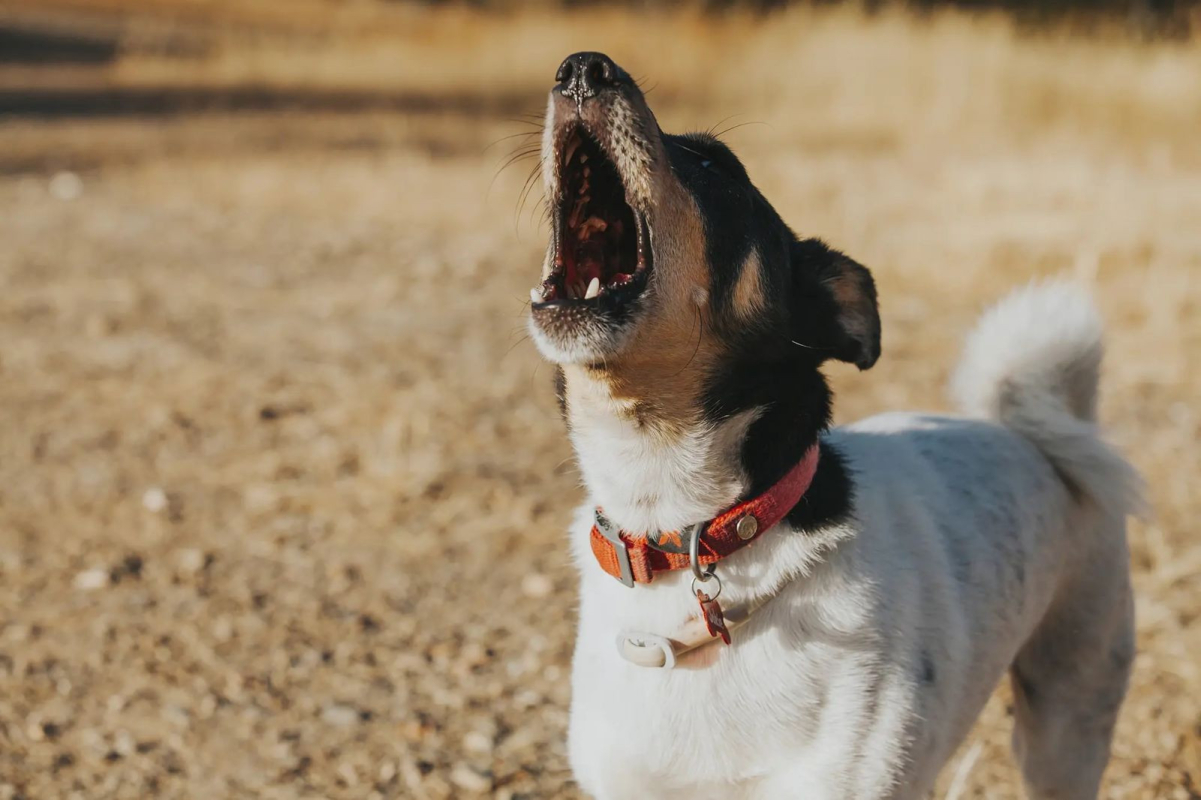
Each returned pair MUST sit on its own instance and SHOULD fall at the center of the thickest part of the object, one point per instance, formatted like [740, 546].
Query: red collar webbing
[635, 558]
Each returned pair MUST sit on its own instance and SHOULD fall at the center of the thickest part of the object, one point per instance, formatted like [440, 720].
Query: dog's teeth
[535, 295]
[593, 289]
[571, 148]
[584, 160]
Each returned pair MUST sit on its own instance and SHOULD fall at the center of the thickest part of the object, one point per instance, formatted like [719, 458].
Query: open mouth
[602, 251]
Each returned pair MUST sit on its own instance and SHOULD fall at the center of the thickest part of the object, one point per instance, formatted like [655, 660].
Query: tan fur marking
[748, 292]
[658, 378]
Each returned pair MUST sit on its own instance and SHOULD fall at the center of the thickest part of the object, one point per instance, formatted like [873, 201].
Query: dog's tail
[1032, 364]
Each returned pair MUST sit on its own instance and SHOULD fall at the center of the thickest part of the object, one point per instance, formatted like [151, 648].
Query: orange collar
[635, 558]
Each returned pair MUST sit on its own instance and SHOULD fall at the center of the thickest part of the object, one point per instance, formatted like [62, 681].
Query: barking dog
[771, 608]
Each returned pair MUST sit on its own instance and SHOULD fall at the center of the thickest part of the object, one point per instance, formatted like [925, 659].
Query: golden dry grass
[282, 489]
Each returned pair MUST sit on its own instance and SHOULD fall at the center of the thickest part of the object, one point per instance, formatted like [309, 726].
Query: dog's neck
[654, 461]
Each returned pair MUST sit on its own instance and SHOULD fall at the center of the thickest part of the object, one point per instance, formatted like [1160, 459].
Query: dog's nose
[582, 75]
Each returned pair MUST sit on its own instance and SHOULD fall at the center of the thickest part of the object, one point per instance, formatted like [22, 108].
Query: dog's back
[1022, 505]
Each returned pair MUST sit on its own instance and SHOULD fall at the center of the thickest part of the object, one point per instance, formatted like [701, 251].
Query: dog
[771, 608]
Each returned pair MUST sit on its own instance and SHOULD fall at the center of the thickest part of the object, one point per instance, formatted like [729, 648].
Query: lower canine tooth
[535, 296]
[593, 289]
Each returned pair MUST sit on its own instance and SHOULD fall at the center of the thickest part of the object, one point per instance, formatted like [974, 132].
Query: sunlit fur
[930, 555]
[968, 554]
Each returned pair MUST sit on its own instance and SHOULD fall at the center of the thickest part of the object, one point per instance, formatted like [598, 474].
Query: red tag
[715, 621]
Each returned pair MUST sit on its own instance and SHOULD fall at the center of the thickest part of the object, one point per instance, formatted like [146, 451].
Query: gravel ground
[282, 486]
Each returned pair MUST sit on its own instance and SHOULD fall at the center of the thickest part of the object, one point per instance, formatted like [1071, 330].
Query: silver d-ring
[708, 575]
[694, 559]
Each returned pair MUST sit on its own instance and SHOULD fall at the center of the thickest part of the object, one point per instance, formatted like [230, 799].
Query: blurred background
[282, 485]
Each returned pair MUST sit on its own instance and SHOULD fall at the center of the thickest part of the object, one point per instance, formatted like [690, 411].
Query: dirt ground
[282, 484]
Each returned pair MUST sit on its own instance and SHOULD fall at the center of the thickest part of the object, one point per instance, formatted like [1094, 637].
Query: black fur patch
[775, 359]
[796, 400]
[846, 327]
[737, 219]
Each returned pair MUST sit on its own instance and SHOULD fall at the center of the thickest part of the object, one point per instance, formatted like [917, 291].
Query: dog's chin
[578, 334]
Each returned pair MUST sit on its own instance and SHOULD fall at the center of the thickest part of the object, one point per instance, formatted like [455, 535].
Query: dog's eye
[706, 163]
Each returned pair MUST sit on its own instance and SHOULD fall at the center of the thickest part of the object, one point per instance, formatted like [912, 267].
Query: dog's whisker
[510, 160]
[724, 131]
[501, 140]
[717, 124]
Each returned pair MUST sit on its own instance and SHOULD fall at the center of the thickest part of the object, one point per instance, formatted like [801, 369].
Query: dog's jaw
[601, 161]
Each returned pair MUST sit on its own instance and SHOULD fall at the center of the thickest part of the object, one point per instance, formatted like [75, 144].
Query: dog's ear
[834, 304]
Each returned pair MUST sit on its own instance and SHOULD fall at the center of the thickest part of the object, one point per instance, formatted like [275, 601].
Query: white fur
[648, 481]
[585, 345]
[1033, 363]
[974, 548]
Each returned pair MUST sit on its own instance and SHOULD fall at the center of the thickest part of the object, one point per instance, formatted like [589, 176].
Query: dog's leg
[1069, 680]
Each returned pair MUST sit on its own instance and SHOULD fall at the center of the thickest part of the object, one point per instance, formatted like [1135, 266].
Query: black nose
[582, 75]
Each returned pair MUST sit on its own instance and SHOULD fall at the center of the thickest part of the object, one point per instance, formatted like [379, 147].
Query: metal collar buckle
[613, 534]
[694, 558]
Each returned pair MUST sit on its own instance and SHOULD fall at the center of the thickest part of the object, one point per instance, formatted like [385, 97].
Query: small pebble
[154, 500]
[469, 780]
[536, 585]
[223, 629]
[527, 698]
[66, 185]
[340, 715]
[123, 743]
[91, 579]
[477, 742]
[191, 560]
[348, 775]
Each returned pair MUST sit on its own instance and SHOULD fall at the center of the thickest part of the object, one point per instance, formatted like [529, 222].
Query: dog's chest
[721, 722]
[770, 703]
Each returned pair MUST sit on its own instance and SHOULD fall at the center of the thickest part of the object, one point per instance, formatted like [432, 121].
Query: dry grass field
[282, 485]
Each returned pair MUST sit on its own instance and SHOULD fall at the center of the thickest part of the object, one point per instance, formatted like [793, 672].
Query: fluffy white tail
[1032, 364]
